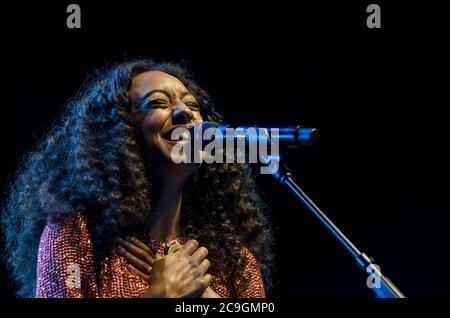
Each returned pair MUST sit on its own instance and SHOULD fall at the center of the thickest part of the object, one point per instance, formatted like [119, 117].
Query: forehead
[151, 80]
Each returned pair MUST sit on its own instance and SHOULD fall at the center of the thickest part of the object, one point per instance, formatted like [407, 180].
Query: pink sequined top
[66, 267]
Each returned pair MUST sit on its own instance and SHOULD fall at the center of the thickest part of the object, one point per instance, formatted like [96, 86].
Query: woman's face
[162, 103]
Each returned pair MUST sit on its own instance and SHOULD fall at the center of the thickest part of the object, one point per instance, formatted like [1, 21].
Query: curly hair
[91, 161]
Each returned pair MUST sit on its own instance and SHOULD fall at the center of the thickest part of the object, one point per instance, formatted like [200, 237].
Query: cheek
[197, 117]
[153, 120]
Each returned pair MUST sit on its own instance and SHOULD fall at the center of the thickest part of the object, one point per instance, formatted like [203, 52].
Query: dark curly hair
[91, 161]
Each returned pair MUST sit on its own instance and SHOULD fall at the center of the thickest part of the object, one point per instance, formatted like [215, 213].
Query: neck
[166, 210]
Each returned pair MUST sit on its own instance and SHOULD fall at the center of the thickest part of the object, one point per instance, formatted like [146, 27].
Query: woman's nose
[181, 115]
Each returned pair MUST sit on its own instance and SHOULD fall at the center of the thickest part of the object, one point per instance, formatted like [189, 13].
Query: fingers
[133, 269]
[204, 266]
[138, 251]
[198, 287]
[136, 262]
[142, 245]
[207, 279]
[189, 248]
[200, 254]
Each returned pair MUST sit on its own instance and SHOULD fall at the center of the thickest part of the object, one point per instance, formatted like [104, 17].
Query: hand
[182, 274]
[139, 256]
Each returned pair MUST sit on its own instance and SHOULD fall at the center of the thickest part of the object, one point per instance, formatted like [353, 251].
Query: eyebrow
[186, 93]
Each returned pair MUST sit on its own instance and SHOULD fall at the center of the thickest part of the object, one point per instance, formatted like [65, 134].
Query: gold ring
[174, 248]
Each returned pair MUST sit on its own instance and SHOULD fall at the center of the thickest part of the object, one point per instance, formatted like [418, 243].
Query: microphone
[292, 136]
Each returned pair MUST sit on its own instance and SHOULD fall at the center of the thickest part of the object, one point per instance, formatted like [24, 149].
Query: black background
[381, 169]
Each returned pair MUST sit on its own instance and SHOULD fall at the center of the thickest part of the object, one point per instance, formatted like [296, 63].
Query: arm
[66, 261]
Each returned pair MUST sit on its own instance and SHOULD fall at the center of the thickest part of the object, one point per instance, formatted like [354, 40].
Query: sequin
[66, 267]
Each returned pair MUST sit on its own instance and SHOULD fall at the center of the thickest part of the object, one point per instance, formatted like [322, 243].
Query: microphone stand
[291, 136]
[383, 287]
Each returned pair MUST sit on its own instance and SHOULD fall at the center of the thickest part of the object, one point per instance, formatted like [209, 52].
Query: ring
[174, 248]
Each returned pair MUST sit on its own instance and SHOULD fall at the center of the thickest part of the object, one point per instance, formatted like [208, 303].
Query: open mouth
[180, 137]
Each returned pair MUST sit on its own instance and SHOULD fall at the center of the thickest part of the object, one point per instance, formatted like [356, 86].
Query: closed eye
[193, 106]
[157, 103]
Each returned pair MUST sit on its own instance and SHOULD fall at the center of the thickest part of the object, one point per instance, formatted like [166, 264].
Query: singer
[99, 209]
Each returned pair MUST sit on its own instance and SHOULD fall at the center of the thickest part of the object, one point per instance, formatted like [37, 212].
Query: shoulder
[252, 272]
[71, 231]
[248, 254]
[65, 265]
[74, 222]
[251, 263]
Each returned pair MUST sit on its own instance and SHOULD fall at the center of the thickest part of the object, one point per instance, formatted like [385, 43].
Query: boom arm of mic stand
[383, 287]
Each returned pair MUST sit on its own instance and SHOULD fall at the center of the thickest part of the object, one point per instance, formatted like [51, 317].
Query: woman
[99, 209]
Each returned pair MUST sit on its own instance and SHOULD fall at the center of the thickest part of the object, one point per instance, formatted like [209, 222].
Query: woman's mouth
[181, 137]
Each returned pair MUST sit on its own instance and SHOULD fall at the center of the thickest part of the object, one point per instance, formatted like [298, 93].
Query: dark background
[381, 169]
